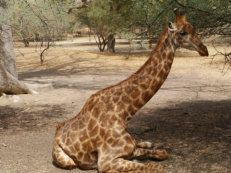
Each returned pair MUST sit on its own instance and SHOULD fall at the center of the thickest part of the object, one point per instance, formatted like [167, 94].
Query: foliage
[210, 17]
[38, 20]
[143, 19]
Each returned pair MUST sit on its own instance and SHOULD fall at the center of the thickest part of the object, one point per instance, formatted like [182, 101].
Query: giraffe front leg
[125, 166]
[140, 153]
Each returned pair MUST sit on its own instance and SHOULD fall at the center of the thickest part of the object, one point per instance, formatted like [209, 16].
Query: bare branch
[43, 51]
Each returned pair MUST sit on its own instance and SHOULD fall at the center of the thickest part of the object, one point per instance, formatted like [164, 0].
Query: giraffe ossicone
[96, 137]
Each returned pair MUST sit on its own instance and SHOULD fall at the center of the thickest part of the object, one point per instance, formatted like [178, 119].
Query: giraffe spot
[145, 85]
[155, 62]
[170, 55]
[161, 74]
[90, 106]
[105, 146]
[118, 92]
[126, 99]
[105, 99]
[80, 155]
[94, 131]
[135, 93]
[113, 119]
[72, 149]
[58, 133]
[115, 99]
[107, 134]
[115, 134]
[103, 118]
[83, 135]
[135, 81]
[120, 107]
[137, 103]
[60, 125]
[91, 103]
[109, 107]
[102, 132]
[131, 110]
[68, 134]
[68, 142]
[117, 143]
[112, 90]
[91, 124]
[86, 146]
[96, 141]
[81, 124]
[74, 125]
[77, 146]
[110, 140]
[65, 128]
[63, 138]
[164, 54]
[146, 96]
[122, 115]
[154, 72]
[153, 87]
[159, 67]
[166, 42]
[128, 89]
[95, 112]
[166, 67]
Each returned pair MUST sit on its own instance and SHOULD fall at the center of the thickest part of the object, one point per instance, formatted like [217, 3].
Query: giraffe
[96, 137]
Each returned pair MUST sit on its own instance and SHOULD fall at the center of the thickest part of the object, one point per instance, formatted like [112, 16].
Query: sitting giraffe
[96, 137]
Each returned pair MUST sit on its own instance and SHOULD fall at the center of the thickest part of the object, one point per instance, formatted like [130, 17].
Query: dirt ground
[190, 115]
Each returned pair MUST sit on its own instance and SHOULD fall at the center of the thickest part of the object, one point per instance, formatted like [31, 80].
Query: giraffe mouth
[203, 51]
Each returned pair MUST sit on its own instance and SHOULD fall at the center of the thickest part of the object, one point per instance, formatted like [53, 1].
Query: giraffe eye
[183, 33]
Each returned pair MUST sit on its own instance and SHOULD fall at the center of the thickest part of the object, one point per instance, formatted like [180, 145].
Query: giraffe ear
[171, 27]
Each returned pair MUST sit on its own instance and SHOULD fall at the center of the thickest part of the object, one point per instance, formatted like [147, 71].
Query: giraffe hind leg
[61, 159]
[140, 153]
[125, 166]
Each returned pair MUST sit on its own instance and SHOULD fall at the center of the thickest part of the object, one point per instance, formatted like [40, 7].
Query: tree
[105, 18]
[9, 82]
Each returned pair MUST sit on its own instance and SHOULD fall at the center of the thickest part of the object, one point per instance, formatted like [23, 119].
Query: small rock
[4, 145]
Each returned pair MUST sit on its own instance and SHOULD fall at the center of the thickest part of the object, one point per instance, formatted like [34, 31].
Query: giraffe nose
[203, 51]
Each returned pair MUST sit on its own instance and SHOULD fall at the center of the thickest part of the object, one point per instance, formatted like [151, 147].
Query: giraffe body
[96, 138]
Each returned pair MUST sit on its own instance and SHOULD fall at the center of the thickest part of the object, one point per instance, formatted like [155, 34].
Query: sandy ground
[190, 116]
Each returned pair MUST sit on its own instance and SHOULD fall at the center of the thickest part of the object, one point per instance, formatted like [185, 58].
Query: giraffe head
[183, 35]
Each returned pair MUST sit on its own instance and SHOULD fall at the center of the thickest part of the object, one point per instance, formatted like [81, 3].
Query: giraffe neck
[149, 78]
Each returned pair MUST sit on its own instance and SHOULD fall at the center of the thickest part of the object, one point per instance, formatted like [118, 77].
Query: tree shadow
[197, 134]
[15, 119]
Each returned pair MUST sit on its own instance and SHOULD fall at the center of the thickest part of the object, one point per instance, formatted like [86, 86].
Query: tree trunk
[9, 83]
[26, 42]
[111, 43]
[7, 56]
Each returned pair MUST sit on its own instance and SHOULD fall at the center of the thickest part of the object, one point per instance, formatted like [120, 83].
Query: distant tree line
[45, 20]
